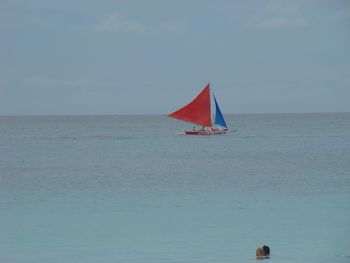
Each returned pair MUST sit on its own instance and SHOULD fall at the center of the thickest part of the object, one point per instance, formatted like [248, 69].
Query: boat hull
[206, 132]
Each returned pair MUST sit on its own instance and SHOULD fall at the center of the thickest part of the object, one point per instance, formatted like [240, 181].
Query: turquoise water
[128, 189]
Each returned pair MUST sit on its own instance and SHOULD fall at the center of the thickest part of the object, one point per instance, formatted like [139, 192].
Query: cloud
[344, 13]
[51, 83]
[279, 14]
[116, 22]
[282, 22]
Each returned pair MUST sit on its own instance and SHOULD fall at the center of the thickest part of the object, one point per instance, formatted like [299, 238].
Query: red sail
[197, 111]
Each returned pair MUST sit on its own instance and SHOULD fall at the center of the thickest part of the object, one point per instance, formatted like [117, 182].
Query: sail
[197, 111]
[219, 119]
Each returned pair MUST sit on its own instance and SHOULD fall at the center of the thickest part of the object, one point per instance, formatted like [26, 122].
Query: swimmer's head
[266, 250]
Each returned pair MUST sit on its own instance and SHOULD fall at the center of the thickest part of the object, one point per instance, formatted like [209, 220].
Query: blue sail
[219, 119]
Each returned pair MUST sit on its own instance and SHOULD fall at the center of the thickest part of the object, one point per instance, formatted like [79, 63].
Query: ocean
[129, 189]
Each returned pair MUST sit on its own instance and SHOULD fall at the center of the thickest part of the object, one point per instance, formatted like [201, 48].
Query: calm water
[128, 189]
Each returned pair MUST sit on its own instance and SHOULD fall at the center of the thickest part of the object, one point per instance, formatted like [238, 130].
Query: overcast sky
[151, 57]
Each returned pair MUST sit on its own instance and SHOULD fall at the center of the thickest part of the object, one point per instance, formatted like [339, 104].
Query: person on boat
[194, 128]
[262, 252]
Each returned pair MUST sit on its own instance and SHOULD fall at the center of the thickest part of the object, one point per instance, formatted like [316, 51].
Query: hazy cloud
[279, 14]
[344, 13]
[278, 22]
[117, 22]
[51, 83]
[76, 57]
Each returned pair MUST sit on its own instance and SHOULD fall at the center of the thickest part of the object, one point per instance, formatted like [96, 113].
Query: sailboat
[198, 112]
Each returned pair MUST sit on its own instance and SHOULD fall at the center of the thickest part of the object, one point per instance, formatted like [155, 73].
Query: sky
[152, 57]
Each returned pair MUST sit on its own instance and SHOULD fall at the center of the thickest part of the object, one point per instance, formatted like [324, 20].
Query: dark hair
[266, 250]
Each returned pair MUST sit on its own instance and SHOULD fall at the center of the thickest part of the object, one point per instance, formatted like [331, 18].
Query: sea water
[130, 189]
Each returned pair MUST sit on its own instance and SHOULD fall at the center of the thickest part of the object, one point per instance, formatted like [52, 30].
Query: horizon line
[159, 114]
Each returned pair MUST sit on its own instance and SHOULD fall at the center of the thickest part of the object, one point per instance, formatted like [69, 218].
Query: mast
[197, 111]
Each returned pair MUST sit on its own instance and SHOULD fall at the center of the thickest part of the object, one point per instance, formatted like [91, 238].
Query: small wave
[98, 137]
[342, 256]
[110, 137]
[87, 137]
[290, 136]
[68, 138]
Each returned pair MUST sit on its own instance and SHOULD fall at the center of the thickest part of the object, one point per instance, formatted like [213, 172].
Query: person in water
[262, 252]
